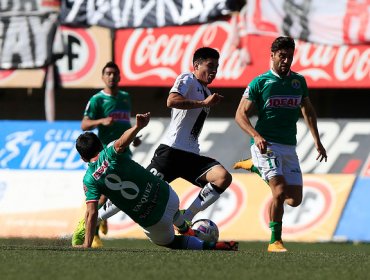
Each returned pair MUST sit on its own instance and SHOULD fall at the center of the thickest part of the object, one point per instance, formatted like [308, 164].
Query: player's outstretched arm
[129, 135]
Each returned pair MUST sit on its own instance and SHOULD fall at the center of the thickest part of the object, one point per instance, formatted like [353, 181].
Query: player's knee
[279, 196]
[294, 202]
[227, 179]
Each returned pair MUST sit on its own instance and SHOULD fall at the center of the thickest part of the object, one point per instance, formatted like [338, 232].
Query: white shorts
[279, 160]
[163, 233]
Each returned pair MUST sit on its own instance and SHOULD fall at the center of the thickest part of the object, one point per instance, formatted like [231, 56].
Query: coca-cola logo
[166, 52]
[332, 63]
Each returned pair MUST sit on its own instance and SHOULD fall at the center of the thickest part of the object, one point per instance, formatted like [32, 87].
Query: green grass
[139, 259]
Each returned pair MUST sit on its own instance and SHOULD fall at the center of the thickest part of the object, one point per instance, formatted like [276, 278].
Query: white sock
[107, 210]
[206, 197]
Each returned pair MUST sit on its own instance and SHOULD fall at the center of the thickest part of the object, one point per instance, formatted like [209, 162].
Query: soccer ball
[206, 230]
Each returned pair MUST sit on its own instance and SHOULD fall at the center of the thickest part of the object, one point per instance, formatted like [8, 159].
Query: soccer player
[144, 197]
[178, 154]
[109, 111]
[279, 96]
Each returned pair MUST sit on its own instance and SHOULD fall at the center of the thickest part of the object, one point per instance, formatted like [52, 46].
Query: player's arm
[91, 217]
[310, 118]
[129, 135]
[176, 100]
[89, 124]
[245, 108]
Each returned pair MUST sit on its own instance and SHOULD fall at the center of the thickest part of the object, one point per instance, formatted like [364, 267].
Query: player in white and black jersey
[178, 154]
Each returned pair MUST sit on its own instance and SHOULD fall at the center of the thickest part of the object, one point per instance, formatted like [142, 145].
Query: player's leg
[276, 212]
[163, 233]
[107, 210]
[248, 165]
[163, 163]
[293, 176]
[209, 174]
[270, 165]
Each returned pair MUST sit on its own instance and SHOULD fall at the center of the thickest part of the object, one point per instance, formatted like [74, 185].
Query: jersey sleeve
[91, 109]
[91, 192]
[304, 88]
[251, 92]
[182, 84]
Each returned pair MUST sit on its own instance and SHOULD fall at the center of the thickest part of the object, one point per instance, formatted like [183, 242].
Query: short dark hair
[110, 64]
[204, 53]
[88, 145]
[282, 43]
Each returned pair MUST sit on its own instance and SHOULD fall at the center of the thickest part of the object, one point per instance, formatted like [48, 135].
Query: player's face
[282, 60]
[206, 70]
[111, 77]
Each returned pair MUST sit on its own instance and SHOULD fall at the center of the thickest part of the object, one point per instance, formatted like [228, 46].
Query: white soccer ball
[206, 230]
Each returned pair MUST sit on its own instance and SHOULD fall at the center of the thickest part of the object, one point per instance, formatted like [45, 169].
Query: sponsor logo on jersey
[120, 116]
[296, 84]
[101, 170]
[269, 82]
[281, 101]
[246, 92]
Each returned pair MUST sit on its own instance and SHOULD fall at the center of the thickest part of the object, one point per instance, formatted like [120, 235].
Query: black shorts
[169, 164]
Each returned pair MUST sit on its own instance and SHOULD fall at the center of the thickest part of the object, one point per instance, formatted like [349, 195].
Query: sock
[181, 242]
[97, 229]
[209, 194]
[179, 222]
[255, 170]
[107, 211]
[276, 228]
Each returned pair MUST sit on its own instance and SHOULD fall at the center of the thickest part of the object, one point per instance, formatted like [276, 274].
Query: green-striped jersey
[102, 105]
[278, 100]
[129, 186]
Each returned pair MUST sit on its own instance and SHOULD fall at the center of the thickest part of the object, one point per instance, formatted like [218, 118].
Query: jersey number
[114, 182]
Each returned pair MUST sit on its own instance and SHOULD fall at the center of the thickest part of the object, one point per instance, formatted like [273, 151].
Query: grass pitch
[139, 259]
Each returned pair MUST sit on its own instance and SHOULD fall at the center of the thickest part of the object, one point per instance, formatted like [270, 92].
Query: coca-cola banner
[143, 13]
[326, 22]
[154, 57]
[27, 30]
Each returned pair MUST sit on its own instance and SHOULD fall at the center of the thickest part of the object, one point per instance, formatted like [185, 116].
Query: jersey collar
[277, 75]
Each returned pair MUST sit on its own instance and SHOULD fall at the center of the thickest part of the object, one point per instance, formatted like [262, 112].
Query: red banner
[154, 57]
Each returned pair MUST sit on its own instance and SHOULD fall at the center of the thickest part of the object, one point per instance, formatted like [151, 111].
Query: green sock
[275, 231]
[184, 227]
[255, 170]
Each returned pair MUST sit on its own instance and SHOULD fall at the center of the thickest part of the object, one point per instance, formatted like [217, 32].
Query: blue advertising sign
[39, 145]
[354, 224]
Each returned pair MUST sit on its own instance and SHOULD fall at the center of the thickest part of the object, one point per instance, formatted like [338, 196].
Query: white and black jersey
[186, 125]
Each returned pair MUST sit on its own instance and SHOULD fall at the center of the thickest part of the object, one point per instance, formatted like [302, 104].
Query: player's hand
[261, 143]
[107, 121]
[322, 152]
[142, 120]
[137, 141]
[212, 100]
